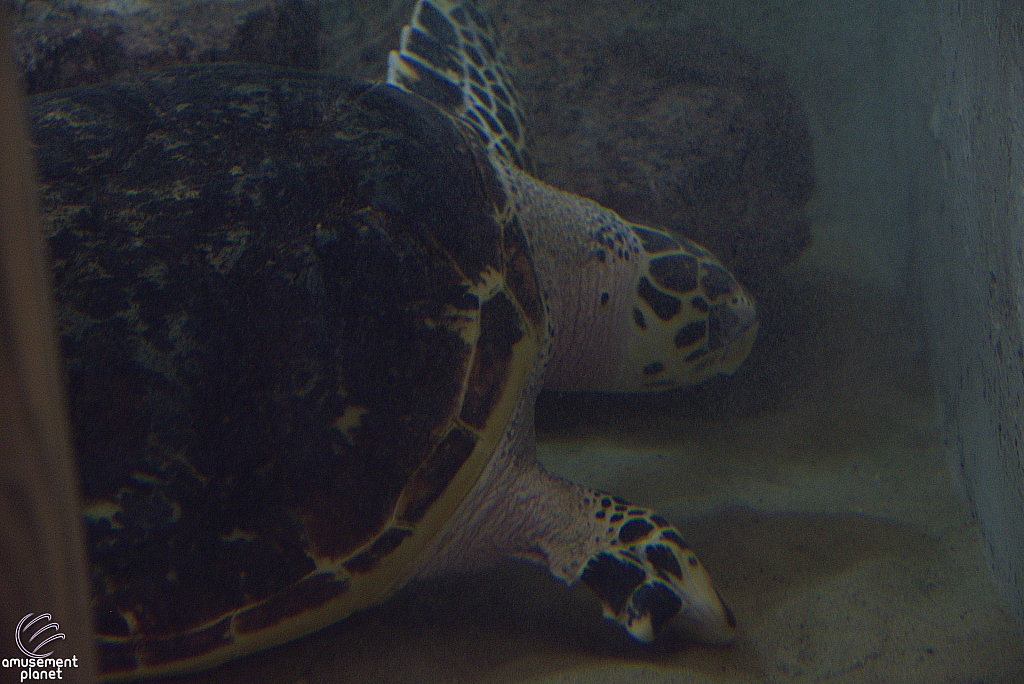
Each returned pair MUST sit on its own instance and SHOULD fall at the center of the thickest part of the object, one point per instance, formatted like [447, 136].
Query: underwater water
[812, 484]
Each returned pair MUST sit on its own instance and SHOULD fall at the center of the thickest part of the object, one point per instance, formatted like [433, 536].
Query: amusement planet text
[40, 668]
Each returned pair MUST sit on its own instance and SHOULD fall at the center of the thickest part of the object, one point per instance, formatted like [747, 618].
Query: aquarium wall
[915, 112]
[968, 272]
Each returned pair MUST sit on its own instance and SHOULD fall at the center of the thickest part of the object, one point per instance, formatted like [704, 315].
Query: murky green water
[813, 483]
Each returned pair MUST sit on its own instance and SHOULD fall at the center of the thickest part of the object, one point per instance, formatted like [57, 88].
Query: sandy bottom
[814, 488]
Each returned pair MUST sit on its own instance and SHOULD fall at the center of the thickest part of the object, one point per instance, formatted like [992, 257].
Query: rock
[64, 43]
[678, 128]
[668, 124]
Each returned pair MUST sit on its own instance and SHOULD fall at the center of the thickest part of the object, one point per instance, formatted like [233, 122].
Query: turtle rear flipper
[449, 55]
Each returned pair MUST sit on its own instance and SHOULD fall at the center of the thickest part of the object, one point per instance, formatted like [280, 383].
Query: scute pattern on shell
[264, 284]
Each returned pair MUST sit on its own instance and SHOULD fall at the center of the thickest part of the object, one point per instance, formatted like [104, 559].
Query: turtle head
[691, 318]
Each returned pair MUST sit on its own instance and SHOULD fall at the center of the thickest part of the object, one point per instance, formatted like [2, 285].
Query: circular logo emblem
[33, 633]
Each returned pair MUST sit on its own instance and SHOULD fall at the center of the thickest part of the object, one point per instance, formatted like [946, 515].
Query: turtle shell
[297, 320]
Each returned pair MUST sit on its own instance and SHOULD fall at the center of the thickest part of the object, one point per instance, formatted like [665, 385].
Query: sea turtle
[305, 321]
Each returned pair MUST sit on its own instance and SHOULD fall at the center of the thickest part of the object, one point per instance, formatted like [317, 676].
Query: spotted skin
[647, 576]
[689, 318]
[448, 54]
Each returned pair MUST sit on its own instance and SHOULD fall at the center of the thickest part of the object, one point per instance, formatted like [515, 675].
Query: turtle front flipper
[647, 577]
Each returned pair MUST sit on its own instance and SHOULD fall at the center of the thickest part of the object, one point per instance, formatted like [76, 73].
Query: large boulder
[679, 129]
[668, 124]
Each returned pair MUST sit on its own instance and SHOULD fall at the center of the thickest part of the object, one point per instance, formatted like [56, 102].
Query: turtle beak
[735, 324]
[737, 352]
